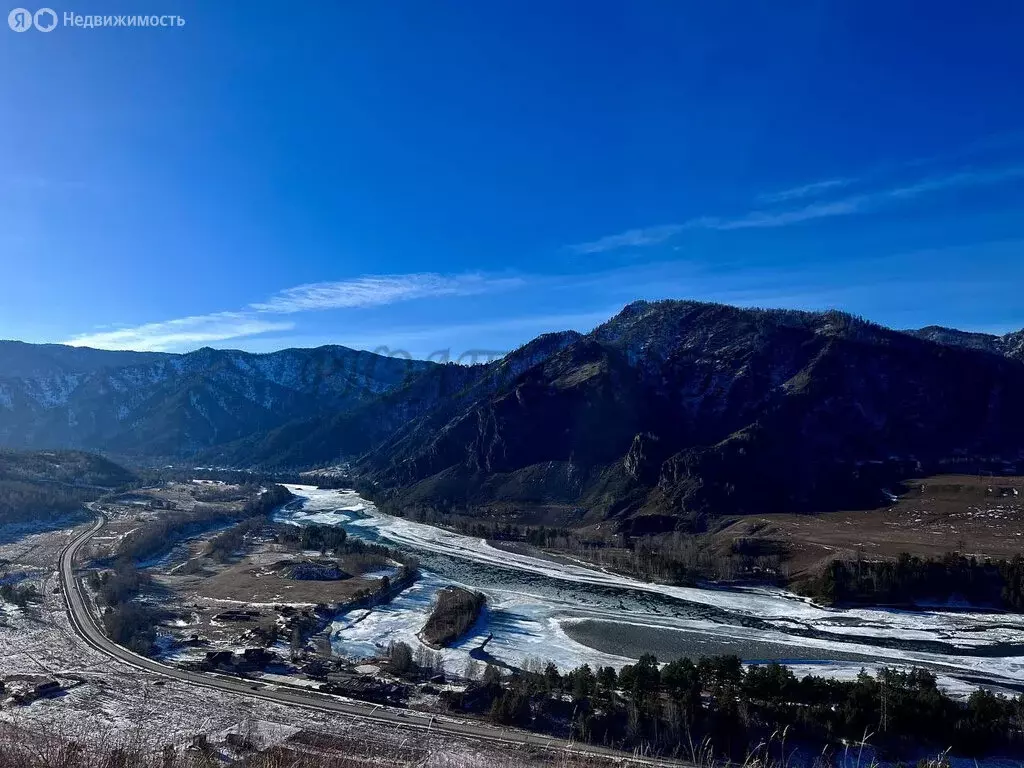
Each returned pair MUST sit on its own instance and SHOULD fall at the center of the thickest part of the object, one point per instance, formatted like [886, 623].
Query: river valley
[542, 609]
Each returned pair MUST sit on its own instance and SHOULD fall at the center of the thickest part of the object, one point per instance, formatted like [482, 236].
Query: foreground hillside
[75, 468]
[44, 483]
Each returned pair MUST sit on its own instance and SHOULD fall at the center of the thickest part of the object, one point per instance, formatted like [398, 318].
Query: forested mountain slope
[675, 411]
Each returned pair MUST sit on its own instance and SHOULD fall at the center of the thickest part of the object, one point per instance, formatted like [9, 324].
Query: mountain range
[665, 416]
[166, 405]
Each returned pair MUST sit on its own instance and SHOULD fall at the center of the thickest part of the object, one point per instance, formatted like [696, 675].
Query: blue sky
[463, 175]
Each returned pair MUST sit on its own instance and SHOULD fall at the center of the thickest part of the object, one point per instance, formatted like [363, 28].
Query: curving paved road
[84, 624]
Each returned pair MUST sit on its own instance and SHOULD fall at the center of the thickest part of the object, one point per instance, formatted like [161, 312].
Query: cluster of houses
[365, 688]
[249, 660]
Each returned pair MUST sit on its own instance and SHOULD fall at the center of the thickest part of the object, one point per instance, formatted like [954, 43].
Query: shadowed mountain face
[668, 414]
[672, 412]
[405, 415]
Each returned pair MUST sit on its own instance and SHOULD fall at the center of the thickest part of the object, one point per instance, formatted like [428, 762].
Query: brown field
[257, 578]
[982, 516]
[199, 587]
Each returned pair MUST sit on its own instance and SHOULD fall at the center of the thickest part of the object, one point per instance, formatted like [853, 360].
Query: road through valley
[85, 626]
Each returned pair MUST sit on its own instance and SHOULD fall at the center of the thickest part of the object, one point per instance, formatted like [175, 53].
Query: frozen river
[572, 614]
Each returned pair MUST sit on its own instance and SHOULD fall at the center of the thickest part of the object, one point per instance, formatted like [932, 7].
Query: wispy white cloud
[813, 189]
[377, 290]
[261, 317]
[632, 238]
[782, 216]
[639, 238]
[182, 332]
[755, 219]
[963, 179]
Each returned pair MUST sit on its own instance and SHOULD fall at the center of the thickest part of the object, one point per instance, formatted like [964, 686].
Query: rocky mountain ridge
[1008, 345]
[148, 404]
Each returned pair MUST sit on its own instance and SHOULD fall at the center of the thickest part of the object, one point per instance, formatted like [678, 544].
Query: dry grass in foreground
[21, 748]
[30, 748]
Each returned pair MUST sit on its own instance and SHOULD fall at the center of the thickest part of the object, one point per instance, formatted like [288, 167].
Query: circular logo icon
[20, 20]
[45, 19]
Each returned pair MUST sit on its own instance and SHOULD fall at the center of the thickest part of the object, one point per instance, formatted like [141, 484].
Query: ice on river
[531, 601]
[519, 630]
